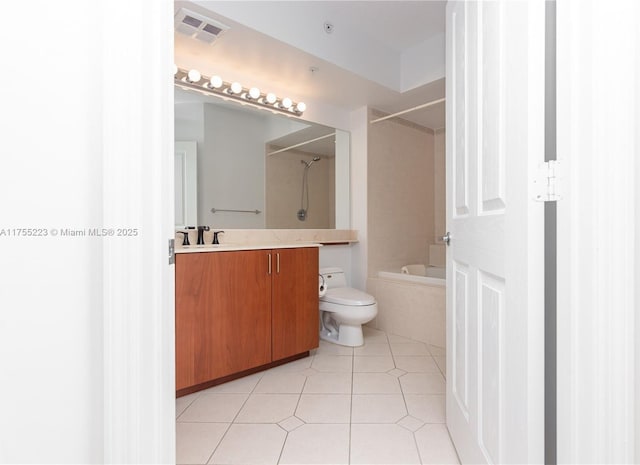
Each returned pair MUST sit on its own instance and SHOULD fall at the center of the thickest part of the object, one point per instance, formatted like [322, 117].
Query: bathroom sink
[208, 246]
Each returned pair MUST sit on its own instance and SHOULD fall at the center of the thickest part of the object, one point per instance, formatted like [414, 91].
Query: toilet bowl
[343, 310]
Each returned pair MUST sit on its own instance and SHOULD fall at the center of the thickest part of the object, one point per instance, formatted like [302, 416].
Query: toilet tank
[333, 277]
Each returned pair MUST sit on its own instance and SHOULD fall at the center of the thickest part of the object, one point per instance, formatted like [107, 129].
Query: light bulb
[286, 103]
[254, 93]
[215, 82]
[194, 76]
[271, 98]
[236, 88]
[301, 107]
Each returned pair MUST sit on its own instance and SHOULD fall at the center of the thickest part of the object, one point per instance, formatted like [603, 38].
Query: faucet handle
[215, 236]
[185, 237]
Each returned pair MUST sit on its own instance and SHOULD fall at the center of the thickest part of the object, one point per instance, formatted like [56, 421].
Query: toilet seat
[347, 296]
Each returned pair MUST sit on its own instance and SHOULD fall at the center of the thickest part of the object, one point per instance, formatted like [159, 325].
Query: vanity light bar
[214, 85]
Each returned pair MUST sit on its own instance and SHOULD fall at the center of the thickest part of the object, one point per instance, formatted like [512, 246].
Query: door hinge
[545, 184]
[172, 251]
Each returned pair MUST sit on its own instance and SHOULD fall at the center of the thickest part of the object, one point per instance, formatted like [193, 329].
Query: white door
[495, 305]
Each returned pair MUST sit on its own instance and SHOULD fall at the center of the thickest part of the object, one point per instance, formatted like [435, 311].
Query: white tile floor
[382, 403]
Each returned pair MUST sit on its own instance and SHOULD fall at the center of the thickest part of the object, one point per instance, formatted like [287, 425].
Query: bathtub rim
[397, 276]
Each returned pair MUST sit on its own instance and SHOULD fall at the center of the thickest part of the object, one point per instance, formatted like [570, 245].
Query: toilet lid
[348, 296]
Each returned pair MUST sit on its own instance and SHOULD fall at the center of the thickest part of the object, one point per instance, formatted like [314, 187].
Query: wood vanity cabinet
[294, 308]
[239, 310]
[223, 314]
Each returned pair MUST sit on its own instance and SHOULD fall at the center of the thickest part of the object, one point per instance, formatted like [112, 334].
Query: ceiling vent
[197, 26]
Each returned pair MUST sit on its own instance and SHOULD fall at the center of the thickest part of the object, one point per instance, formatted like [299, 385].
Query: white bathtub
[433, 276]
[410, 305]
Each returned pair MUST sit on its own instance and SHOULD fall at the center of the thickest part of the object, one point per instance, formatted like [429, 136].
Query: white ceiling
[388, 55]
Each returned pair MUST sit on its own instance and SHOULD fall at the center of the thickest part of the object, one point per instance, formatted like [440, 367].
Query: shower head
[309, 163]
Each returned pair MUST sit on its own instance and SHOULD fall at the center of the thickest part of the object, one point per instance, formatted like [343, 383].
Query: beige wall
[400, 194]
[406, 213]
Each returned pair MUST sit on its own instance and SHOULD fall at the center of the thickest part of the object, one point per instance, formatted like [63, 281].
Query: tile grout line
[286, 437]
[406, 407]
[353, 355]
[187, 407]
[454, 447]
[415, 441]
[233, 420]
[219, 442]
[413, 433]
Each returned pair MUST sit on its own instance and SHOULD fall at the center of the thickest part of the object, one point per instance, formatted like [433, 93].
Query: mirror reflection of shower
[304, 197]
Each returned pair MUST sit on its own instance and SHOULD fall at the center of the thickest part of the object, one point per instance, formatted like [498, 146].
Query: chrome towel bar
[216, 210]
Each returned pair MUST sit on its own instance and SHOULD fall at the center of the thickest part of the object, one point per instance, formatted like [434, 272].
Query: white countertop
[234, 247]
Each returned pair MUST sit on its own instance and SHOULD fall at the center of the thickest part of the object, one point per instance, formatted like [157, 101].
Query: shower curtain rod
[300, 144]
[424, 105]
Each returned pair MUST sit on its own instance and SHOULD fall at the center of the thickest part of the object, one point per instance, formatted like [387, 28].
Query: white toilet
[343, 310]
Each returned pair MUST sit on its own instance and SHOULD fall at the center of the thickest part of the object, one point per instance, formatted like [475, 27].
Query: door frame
[598, 235]
[138, 282]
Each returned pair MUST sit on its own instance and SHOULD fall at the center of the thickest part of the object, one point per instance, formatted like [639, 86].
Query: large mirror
[253, 168]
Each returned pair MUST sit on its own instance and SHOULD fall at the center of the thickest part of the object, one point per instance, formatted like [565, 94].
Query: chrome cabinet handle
[446, 238]
[278, 263]
[269, 263]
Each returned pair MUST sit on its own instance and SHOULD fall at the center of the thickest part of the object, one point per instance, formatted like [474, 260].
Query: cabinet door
[223, 314]
[295, 317]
